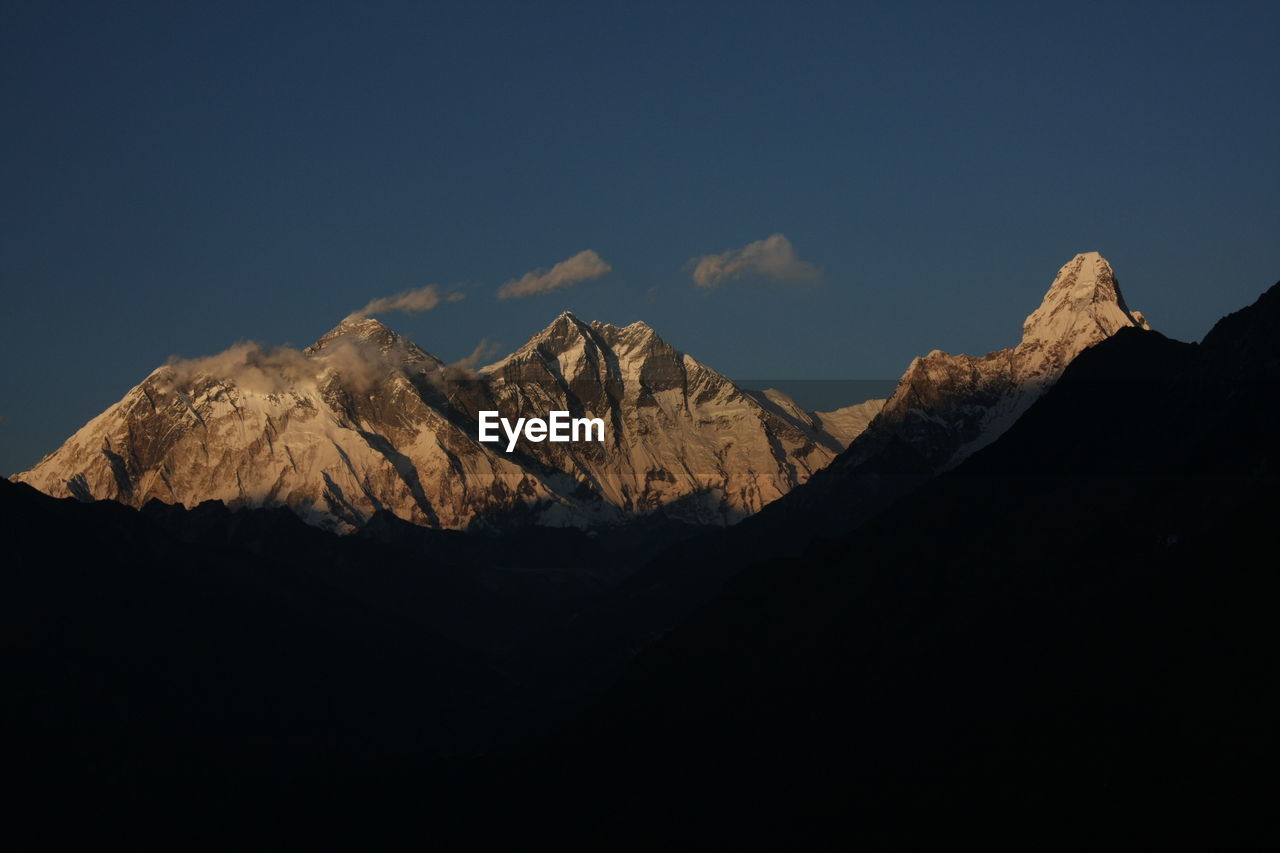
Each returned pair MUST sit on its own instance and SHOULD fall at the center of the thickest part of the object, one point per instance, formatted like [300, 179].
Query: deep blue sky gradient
[177, 177]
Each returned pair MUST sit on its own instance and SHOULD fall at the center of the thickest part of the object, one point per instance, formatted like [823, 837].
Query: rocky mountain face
[365, 421]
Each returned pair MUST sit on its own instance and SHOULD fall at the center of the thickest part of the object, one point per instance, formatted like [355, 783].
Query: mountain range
[1055, 631]
[364, 421]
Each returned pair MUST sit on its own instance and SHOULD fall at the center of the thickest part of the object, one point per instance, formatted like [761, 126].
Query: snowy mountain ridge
[364, 420]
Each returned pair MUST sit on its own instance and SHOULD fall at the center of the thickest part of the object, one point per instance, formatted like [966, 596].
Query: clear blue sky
[179, 176]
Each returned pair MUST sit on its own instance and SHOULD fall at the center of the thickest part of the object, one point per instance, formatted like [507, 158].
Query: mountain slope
[143, 672]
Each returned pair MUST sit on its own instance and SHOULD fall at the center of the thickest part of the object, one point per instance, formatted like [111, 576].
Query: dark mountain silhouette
[142, 667]
[1070, 636]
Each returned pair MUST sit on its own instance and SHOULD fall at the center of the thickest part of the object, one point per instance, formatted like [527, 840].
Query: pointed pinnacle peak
[1084, 296]
[360, 328]
[1087, 278]
[564, 321]
[361, 321]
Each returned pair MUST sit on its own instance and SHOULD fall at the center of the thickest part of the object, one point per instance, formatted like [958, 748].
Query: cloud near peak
[583, 266]
[408, 301]
[772, 258]
[465, 367]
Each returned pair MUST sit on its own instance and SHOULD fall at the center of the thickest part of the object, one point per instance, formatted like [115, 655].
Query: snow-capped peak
[367, 332]
[1083, 302]
[949, 406]
[356, 328]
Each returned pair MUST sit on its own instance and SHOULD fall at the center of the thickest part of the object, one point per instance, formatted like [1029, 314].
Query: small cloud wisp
[408, 302]
[771, 258]
[583, 266]
[465, 367]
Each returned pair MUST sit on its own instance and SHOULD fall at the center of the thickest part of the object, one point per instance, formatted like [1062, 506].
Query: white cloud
[772, 258]
[408, 301]
[581, 267]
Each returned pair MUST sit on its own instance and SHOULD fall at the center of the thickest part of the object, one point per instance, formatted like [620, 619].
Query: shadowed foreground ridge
[1071, 635]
